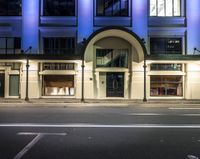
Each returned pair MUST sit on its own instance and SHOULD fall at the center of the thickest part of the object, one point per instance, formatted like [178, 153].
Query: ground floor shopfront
[63, 79]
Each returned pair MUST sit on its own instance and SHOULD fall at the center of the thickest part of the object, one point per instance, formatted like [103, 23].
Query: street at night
[100, 132]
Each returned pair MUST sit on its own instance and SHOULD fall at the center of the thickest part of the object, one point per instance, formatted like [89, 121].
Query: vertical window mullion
[6, 46]
[157, 7]
[173, 7]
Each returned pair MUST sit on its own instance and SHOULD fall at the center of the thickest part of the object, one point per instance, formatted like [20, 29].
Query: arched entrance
[110, 56]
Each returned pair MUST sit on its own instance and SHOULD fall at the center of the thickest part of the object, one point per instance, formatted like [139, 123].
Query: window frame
[53, 39]
[43, 10]
[181, 9]
[8, 8]
[166, 38]
[14, 48]
[128, 11]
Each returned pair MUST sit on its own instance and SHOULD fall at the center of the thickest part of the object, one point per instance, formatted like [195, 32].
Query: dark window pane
[112, 58]
[10, 45]
[62, 45]
[166, 67]
[10, 7]
[59, 7]
[166, 45]
[112, 7]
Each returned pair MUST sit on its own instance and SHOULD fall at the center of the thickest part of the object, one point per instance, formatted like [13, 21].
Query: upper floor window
[166, 45]
[59, 7]
[10, 7]
[112, 57]
[60, 45]
[164, 8]
[10, 45]
[112, 8]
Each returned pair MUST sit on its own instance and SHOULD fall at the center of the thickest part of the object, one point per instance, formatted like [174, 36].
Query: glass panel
[59, 45]
[177, 8]
[10, 43]
[2, 43]
[116, 7]
[153, 8]
[166, 67]
[166, 86]
[174, 46]
[124, 7]
[59, 7]
[100, 7]
[108, 7]
[59, 85]
[14, 85]
[161, 8]
[112, 58]
[166, 45]
[169, 8]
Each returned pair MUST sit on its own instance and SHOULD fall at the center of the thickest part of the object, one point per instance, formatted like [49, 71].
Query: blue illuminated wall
[85, 19]
[193, 25]
[30, 24]
[140, 18]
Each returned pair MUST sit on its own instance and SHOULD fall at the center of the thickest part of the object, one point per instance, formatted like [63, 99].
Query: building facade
[100, 49]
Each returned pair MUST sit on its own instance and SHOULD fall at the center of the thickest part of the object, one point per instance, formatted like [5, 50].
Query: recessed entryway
[115, 84]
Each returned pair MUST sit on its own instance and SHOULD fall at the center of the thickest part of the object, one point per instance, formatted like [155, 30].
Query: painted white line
[28, 147]
[162, 114]
[34, 141]
[36, 133]
[179, 108]
[81, 125]
[147, 114]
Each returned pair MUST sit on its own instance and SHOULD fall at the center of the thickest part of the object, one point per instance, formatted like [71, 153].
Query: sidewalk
[98, 102]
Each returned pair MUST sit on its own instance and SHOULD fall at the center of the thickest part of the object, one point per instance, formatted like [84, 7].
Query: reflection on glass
[177, 8]
[169, 8]
[161, 8]
[112, 58]
[153, 8]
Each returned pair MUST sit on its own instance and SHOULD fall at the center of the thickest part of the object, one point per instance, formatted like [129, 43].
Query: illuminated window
[112, 7]
[10, 45]
[10, 7]
[166, 46]
[58, 85]
[59, 7]
[60, 45]
[169, 85]
[164, 8]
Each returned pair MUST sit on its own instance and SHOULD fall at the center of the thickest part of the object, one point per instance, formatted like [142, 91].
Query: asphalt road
[99, 133]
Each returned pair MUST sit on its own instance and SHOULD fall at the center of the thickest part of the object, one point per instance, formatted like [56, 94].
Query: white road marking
[35, 133]
[34, 141]
[28, 147]
[88, 125]
[162, 114]
[179, 108]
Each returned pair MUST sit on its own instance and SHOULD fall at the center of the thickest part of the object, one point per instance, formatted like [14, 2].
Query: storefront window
[164, 85]
[112, 57]
[166, 67]
[58, 85]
